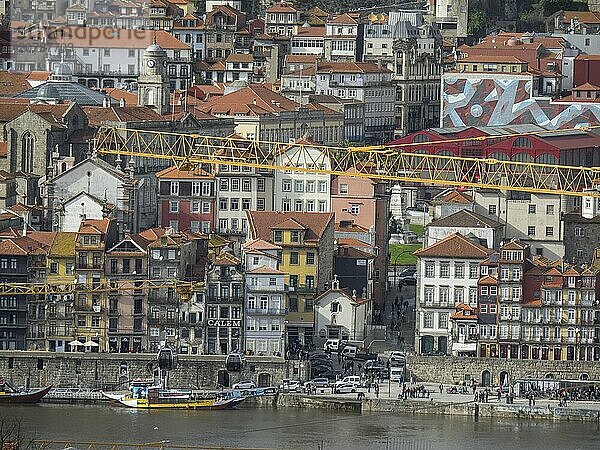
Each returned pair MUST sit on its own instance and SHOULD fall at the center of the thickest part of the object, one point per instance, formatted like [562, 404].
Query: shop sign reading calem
[229, 323]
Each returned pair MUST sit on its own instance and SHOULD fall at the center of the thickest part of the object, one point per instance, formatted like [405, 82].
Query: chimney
[254, 101]
[121, 102]
[105, 102]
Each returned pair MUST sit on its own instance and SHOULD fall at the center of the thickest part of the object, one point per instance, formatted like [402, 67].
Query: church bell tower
[153, 82]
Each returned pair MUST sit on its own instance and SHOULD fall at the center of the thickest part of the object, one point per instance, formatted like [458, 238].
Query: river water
[291, 428]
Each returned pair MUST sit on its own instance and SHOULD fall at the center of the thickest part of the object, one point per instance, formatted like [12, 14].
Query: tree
[478, 19]
[12, 436]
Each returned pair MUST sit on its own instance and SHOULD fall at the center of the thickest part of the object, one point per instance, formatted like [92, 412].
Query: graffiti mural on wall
[508, 101]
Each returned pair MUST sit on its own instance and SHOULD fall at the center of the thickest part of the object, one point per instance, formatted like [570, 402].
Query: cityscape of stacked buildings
[283, 260]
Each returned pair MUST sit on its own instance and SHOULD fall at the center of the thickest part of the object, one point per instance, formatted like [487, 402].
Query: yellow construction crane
[185, 289]
[378, 162]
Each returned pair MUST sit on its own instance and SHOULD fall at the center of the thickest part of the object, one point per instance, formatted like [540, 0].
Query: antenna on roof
[154, 37]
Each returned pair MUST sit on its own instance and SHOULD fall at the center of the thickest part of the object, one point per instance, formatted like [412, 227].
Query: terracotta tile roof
[264, 270]
[63, 245]
[514, 245]
[240, 58]
[152, 234]
[94, 226]
[253, 100]
[86, 37]
[12, 83]
[455, 197]
[240, 17]
[9, 111]
[226, 259]
[118, 94]
[260, 244]
[488, 281]
[315, 223]
[281, 7]
[455, 245]
[175, 173]
[587, 87]
[350, 67]
[465, 219]
[297, 59]
[43, 237]
[22, 246]
[464, 312]
[3, 149]
[344, 19]
[351, 242]
[581, 16]
[288, 224]
[311, 32]
[509, 59]
[97, 115]
[39, 75]
[353, 253]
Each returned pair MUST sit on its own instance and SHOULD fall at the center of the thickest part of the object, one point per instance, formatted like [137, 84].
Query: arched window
[522, 142]
[421, 138]
[27, 148]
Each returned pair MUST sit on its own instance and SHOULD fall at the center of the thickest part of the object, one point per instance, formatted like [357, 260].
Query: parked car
[345, 388]
[352, 379]
[397, 359]
[321, 382]
[244, 384]
[288, 385]
[331, 345]
[331, 375]
[408, 281]
[374, 366]
[408, 272]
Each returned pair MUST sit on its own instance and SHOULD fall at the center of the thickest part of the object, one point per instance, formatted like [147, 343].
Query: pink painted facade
[366, 204]
[353, 199]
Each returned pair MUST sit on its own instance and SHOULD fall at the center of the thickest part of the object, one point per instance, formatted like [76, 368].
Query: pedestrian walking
[441, 388]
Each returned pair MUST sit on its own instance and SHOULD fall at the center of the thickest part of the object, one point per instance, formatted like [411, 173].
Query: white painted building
[80, 207]
[102, 183]
[299, 191]
[341, 38]
[534, 219]
[447, 275]
[100, 60]
[365, 82]
[308, 41]
[265, 299]
[340, 314]
[488, 231]
[240, 190]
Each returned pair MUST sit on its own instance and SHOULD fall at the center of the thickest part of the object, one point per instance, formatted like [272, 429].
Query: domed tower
[153, 82]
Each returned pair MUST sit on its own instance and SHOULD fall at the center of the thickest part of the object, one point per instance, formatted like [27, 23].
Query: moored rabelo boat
[12, 394]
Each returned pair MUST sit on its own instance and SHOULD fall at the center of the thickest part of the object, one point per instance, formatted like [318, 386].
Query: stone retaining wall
[113, 370]
[449, 369]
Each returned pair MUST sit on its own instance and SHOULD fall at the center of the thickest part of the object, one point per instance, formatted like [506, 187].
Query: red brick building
[186, 200]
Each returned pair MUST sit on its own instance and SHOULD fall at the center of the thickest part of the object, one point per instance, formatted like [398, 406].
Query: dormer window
[278, 236]
[295, 238]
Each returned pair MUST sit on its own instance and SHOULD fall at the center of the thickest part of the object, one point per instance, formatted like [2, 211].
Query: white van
[331, 345]
[396, 373]
[351, 379]
[349, 351]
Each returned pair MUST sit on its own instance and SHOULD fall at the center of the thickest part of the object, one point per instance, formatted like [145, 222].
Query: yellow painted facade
[60, 269]
[299, 261]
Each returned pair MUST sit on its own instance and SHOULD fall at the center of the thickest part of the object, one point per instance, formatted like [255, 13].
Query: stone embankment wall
[113, 370]
[448, 369]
